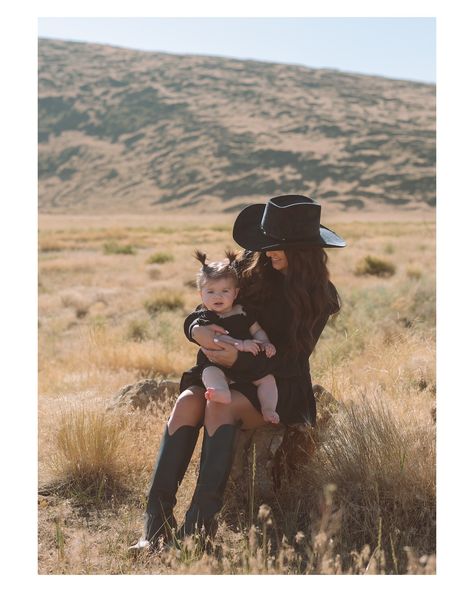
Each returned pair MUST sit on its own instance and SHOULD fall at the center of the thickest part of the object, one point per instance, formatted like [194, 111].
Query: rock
[145, 393]
[268, 455]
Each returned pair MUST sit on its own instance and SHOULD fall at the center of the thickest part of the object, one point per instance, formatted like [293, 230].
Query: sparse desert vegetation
[362, 501]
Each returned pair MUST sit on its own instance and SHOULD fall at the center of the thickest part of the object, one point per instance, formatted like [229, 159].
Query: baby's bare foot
[270, 415]
[218, 395]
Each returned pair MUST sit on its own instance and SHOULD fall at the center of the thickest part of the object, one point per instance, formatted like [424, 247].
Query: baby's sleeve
[250, 315]
[196, 318]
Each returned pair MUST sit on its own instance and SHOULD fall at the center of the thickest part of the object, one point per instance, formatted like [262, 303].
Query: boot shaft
[172, 461]
[216, 463]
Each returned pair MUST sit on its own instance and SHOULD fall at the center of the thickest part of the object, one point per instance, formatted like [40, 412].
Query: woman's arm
[205, 335]
[199, 331]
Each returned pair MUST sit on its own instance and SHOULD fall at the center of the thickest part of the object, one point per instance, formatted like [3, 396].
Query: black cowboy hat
[284, 221]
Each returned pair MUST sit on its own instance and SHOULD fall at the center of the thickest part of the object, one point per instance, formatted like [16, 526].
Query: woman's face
[279, 260]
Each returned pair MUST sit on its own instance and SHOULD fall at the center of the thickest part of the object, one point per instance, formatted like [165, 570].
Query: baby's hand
[269, 349]
[249, 345]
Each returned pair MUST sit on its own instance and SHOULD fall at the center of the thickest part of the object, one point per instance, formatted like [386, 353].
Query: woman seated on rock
[285, 282]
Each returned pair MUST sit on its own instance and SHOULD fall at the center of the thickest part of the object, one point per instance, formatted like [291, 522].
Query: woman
[284, 279]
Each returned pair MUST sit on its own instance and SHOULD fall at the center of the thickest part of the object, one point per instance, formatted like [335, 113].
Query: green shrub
[375, 266]
[163, 301]
[160, 258]
[114, 248]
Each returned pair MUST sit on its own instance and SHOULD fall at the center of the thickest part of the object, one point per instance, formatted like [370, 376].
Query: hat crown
[291, 217]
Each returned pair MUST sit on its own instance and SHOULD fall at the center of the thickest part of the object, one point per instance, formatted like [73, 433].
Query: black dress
[296, 402]
[238, 326]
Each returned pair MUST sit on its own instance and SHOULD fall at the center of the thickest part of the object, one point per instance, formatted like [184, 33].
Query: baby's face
[219, 295]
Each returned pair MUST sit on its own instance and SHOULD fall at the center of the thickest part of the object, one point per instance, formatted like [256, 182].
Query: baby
[218, 285]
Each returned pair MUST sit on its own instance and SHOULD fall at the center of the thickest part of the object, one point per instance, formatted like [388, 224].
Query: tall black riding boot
[171, 464]
[216, 463]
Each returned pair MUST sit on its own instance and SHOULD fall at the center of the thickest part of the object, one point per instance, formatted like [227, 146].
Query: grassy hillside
[125, 131]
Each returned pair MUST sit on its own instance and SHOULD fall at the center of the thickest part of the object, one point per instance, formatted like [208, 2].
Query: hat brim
[248, 234]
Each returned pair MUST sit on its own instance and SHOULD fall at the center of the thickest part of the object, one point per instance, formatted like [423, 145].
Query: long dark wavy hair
[307, 288]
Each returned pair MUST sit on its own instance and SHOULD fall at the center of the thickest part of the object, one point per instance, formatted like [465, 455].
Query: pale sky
[394, 47]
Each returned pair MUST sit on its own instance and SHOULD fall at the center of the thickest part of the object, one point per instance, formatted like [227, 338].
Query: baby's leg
[267, 393]
[217, 387]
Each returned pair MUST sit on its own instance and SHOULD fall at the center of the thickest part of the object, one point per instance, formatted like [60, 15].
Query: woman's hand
[226, 356]
[205, 335]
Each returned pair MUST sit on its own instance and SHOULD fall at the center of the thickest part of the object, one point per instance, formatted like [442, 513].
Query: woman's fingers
[224, 357]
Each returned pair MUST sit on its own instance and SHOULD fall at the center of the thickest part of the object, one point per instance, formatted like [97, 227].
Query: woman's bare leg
[240, 410]
[189, 409]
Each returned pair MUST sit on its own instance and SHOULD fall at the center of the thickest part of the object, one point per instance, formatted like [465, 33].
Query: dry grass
[364, 502]
[86, 460]
[383, 471]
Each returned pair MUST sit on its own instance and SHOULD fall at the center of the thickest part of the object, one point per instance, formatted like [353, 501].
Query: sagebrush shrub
[138, 330]
[160, 258]
[164, 301]
[374, 266]
[114, 248]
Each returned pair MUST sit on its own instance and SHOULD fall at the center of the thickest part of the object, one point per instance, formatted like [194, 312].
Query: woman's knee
[216, 410]
[188, 409]
[238, 410]
[244, 412]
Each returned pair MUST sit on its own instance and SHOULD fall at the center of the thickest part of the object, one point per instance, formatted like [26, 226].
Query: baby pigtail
[201, 257]
[231, 256]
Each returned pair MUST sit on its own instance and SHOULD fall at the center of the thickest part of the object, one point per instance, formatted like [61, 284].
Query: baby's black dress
[238, 326]
[296, 403]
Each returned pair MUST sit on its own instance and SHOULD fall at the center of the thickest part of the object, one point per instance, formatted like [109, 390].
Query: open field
[113, 292]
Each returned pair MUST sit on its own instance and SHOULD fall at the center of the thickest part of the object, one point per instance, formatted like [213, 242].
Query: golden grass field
[113, 292]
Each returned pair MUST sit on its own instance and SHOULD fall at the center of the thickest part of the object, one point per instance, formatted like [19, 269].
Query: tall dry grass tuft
[361, 500]
[86, 463]
[384, 474]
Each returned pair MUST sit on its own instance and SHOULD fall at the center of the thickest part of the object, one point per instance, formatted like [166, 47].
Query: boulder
[145, 394]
